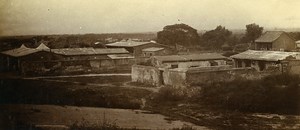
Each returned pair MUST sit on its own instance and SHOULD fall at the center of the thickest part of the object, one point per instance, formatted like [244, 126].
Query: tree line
[185, 35]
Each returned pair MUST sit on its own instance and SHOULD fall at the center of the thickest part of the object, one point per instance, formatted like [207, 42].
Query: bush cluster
[169, 94]
[274, 94]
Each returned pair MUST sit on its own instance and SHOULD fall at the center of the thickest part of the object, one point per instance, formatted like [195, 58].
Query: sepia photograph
[149, 64]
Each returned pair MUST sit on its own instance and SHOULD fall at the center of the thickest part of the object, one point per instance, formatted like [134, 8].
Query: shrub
[279, 94]
[185, 127]
[170, 94]
[85, 125]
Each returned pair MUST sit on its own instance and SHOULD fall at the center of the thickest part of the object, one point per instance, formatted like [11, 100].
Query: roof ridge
[270, 36]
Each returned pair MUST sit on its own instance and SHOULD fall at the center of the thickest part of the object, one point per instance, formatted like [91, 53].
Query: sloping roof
[121, 56]
[21, 51]
[153, 49]
[269, 36]
[42, 46]
[264, 55]
[192, 57]
[23, 47]
[127, 44]
[89, 51]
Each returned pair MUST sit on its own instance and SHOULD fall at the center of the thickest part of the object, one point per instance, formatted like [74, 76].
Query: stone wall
[174, 77]
[146, 74]
[293, 67]
[67, 67]
[210, 75]
[182, 77]
[204, 77]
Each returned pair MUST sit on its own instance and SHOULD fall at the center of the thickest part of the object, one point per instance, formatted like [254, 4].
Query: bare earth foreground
[89, 100]
[94, 99]
[67, 115]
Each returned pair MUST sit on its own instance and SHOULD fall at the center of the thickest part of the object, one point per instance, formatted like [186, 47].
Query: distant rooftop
[269, 36]
[265, 55]
[151, 49]
[192, 57]
[23, 50]
[42, 46]
[89, 51]
[127, 44]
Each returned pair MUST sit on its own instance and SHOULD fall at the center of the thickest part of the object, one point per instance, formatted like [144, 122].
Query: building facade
[42, 61]
[157, 51]
[265, 60]
[188, 61]
[134, 47]
[275, 41]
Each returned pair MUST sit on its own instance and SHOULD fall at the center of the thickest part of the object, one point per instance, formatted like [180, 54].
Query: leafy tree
[214, 39]
[253, 31]
[181, 34]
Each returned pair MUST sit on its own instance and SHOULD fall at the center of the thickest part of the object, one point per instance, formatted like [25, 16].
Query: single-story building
[187, 61]
[157, 51]
[134, 47]
[88, 53]
[11, 59]
[45, 61]
[264, 60]
[276, 41]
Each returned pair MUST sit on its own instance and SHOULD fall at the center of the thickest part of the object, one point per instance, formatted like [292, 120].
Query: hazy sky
[23, 17]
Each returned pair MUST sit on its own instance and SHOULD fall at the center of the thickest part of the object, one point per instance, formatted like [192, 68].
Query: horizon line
[230, 29]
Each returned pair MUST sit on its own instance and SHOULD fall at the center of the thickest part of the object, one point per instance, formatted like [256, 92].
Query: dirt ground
[68, 115]
[65, 100]
[228, 120]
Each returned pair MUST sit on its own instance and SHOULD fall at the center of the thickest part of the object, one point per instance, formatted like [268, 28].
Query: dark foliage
[253, 31]
[228, 54]
[62, 93]
[66, 41]
[180, 34]
[215, 39]
[295, 35]
[170, 94]
[274, 94]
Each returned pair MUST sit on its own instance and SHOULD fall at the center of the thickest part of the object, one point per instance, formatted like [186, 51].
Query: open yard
[88, 116]
[88, 101]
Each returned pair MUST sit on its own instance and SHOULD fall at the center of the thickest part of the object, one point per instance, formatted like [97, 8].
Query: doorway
[261, 65]
[161, 77]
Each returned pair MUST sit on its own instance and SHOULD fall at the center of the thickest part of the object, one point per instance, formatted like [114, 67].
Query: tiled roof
[192, 57]
[110, 50]
[153, 49]
[121, 56]
[89, 51]
[127, 44]
[269, 36]
[265, 55]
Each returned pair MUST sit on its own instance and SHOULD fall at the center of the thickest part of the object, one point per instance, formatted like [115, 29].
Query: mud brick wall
[175, 78]
[294, 67]
[204, 77]
[146, 74]
[67, 67]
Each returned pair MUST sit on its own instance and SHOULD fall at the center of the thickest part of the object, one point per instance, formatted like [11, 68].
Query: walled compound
[182, 73]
